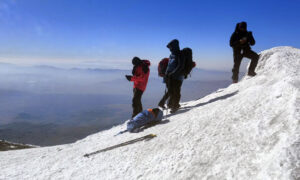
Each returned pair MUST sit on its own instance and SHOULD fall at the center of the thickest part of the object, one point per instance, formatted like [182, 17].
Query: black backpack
[187, 55]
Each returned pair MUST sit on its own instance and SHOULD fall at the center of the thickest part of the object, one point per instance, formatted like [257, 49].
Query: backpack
[162, 67]
[187, 55]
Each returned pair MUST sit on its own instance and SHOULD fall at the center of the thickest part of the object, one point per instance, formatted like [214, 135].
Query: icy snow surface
[249, 130]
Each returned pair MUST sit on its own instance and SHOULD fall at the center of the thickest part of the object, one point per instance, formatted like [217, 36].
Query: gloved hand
[243, 40]
[128, 77]
[170, 76]
[167, 75]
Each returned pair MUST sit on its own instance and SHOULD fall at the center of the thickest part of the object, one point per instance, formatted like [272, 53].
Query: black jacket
[238, 35]
[176, 63]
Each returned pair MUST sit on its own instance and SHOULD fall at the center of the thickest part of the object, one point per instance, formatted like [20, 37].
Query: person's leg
[177, 95]
[254, 60]
[163, 100]
[134, 99]
[140, 106]
[166, 95]
[171, 93]
[237, 59]
[136, 102]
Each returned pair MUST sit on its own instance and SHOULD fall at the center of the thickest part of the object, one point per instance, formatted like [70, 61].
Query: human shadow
[187, 108]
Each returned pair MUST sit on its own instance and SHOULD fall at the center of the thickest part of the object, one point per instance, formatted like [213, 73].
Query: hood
[242, 24]
[237, 27]
[136, 61]
[174, 46]
[141, 63]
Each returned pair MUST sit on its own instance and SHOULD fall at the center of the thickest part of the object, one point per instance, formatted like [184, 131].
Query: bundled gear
[143, 118]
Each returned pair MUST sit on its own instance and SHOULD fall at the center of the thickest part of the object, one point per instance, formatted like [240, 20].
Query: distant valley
[45, 105]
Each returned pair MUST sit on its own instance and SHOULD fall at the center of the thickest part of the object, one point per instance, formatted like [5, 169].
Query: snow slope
[249, 130]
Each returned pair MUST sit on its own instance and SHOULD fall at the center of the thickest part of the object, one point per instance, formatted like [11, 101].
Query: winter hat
[243, 25]
[136, 61]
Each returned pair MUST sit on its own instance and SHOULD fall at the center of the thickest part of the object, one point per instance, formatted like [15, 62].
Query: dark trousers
[137, 102]
[173, 93]
[237, 58]
[164, 98]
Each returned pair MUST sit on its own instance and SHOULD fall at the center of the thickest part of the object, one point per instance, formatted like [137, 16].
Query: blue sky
[107, 34]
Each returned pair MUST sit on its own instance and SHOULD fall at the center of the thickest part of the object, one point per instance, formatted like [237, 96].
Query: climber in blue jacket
[144, 118]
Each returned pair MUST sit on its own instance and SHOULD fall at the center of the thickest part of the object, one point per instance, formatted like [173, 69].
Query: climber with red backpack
[179, 66]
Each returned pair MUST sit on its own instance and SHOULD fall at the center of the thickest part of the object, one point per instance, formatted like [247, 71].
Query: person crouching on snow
[140, 77]
[145, 117]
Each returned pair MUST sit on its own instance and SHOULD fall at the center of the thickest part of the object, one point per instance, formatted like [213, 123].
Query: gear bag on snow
[162, 67]
[187, 56]
[143, 118]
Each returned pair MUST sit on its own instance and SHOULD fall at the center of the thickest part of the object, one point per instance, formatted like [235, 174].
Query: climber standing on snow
[174, 77]
[240, 41]
[140, 75]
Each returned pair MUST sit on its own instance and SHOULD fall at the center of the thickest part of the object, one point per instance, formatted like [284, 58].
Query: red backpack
[162, 67]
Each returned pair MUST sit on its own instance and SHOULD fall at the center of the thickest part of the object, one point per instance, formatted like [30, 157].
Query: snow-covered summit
[249, 130]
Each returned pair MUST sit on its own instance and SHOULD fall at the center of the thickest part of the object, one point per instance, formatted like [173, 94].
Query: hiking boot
[251, 73]
[234, 81]
[235, 77]
[177, 106]
[162, 106]
[173, 110]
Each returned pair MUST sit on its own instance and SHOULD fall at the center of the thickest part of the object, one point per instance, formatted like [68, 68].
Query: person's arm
[251, 39]
[234, 41]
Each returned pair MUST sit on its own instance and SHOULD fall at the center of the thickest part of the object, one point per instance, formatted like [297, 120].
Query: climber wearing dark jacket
[174, 76]
[240, 41]
[140, 77]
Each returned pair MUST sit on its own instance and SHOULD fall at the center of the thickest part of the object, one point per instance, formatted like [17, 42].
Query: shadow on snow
[185, 109]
